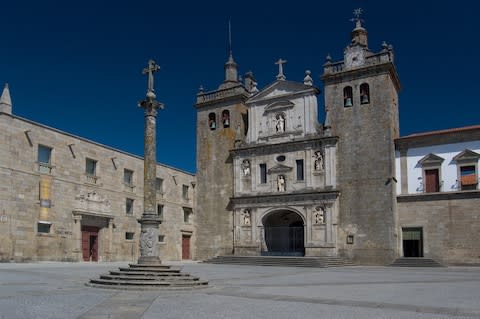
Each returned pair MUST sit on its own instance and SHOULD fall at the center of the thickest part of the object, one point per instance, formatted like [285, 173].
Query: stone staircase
[415, 262]
[140, 276]
[281, 261]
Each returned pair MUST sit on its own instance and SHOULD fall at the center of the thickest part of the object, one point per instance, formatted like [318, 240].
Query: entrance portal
[90, 243]
[284, 234]
[412, 242]
[185, 247]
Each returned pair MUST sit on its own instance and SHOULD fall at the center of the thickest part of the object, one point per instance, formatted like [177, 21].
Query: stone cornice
[424, 197]
[262, 149]
[285, 198]
[230, 94]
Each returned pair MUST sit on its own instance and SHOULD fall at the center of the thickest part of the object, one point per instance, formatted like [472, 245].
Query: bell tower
[361, 104]
[220, 124]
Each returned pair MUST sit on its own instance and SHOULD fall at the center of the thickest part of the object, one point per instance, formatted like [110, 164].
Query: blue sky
[76, 66]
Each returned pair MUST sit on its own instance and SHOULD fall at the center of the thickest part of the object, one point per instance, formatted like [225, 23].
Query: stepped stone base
[415, 262]
[147, 276]
[281, 261]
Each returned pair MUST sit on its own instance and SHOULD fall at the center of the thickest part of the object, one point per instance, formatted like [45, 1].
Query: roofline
[89, 141]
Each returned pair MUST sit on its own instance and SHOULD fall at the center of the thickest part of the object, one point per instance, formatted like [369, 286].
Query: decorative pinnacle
[150, 69]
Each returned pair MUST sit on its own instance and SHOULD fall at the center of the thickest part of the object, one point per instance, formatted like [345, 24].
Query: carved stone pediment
[431, 159]
[92, 203]
[466, 156]
[279, 106]
[278, 90]
[279, 168]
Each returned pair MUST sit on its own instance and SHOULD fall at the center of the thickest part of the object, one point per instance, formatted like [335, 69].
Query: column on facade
[77, 236]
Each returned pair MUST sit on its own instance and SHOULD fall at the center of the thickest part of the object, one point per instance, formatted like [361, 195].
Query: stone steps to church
[142, 277]
[415, 262]
[146, 273]
[282, 261]
[150, 269]
[117, 283]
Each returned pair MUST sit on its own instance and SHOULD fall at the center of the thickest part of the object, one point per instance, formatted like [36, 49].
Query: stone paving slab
[57, 290]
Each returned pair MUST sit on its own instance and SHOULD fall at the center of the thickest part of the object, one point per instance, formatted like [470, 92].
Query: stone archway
[283, 234]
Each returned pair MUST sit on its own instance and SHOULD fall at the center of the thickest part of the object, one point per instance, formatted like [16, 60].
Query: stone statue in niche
[319, 215]
[246, 217]
[280, 123]
[281, 183]
[246, 167]
[318, 163]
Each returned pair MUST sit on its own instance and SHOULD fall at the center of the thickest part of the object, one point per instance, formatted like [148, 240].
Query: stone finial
[384, 46]
[328, 59]
[5, 100]
[280, 64]
[200, 89]
[307, 80]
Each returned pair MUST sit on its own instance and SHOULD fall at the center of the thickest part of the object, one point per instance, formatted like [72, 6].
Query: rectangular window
[129, 206]
[187, 212]
[161, 238]
[159, 185]
[263, 173]
[128, 177]
[43, 228]
[129, 235]
[185, 192]
[90, 167]
[300, 176]
[160, 211]
[468, 177]
[44, 159]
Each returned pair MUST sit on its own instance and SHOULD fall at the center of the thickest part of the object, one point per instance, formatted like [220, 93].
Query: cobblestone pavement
[57, 290]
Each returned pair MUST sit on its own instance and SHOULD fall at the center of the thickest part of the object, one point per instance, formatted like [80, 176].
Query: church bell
[348, 101]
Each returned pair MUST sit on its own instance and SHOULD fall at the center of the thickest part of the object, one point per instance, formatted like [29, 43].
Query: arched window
[212, 121]
[226, 118]
[364, 94]
[347, 96]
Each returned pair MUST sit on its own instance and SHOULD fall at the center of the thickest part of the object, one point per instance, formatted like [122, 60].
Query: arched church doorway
[284, 234]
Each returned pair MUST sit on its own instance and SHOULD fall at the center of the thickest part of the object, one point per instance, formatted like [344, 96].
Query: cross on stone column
[280, 64]
[150, 69]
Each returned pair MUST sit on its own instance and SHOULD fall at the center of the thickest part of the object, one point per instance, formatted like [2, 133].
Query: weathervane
[357, 13]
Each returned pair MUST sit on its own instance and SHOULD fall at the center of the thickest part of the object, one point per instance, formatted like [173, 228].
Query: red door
[90, 243]
[185, 247]
[432, 183]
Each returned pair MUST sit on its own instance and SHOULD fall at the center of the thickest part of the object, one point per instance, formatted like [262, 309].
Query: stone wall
[66, 184]
[449, 222]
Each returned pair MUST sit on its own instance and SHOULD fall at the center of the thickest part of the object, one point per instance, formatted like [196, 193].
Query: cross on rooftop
[357, 13]
[280, 64]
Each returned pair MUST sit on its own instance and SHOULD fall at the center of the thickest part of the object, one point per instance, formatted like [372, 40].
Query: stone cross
[280, 64]
[152, 67]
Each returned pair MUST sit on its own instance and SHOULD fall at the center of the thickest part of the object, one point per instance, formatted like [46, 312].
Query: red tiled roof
[439, 132]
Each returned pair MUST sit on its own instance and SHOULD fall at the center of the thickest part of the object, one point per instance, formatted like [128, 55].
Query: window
[91, 170]
[128, 177]
[129, 206]
[226, 118]
[185, 192]
[161, 238]
[347, 96]
[364, 94]
[44, 159]
[263, 173]
[212, 121]
[468, 177]
[43, 227]
[187, 212]
[159, 185]
[300, 176]
[281, 158]
[129, 235]
[160, 211]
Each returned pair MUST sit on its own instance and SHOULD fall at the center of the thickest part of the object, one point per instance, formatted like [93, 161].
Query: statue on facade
[281, 183]
[280, 120]
[319, 215]
[318, 163]
[246, 167]
[246, 217]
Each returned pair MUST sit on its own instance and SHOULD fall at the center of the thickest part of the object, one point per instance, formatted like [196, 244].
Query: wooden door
[432, 182]
[185, 247]
[90, 243]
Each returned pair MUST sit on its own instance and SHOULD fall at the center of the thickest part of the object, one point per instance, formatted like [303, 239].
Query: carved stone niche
[318, 162]
[92, 202]
[246, 169]
[319, 215]
[246, 218]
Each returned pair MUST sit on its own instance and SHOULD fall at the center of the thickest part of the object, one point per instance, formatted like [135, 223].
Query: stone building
[273, 181]
[66, 198]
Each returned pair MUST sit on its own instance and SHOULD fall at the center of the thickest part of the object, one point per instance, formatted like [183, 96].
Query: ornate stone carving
[319, 215]
[280, 123]
[92, 202]
[247, 217]
[246, 167]
[318, 163]
[147, 242]
[281, 183]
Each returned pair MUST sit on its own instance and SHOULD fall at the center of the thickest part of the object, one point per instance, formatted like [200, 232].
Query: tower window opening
[347, 96]
[212, 121]
[364, 94]
[226, 118]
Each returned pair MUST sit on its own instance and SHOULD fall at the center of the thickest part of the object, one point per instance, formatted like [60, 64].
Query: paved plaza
[57, 290]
